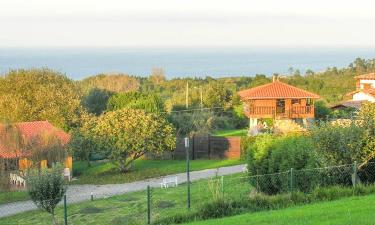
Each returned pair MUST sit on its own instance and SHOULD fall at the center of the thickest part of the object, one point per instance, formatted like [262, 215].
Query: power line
[192, 110]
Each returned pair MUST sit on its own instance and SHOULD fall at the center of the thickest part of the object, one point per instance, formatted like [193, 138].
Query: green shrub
[270, 154]
[246, 142]
[46, 189]
[216, 209]
[339, 144]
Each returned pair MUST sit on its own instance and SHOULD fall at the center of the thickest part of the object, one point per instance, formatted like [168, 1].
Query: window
[296, 101]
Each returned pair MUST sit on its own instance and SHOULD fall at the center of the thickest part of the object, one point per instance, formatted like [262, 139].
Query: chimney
[275, 77]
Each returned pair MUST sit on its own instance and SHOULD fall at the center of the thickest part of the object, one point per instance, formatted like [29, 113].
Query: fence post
[187, 171]
[291, 180]
[148, 204]
[355, 174]
[222, 185]
[65, 212]
[92, 196]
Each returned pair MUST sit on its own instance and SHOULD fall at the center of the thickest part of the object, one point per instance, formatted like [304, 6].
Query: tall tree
[96, 101]
[127, 134]
[39, 94]
[157, 76]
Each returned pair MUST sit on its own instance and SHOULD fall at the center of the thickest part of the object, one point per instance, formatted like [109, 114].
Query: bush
[339, 144]
[246, 142]
[270, 154]
[46, 189]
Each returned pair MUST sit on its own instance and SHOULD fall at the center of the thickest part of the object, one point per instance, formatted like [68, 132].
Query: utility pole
[201, 97]
[187, 95]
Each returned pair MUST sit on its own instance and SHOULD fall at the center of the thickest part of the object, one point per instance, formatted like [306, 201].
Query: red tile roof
[276, 90]
[370, 91]
[29, 130]
[369, 76]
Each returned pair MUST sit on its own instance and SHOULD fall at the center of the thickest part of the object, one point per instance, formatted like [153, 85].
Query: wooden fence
[205, 147]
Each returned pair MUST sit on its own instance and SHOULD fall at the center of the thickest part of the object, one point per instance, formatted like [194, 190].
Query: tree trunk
[54, 220]
[126, 165]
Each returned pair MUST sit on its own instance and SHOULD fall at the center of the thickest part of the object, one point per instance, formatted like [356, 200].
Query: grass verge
[107, 173]
[228, 133]
[354, 210]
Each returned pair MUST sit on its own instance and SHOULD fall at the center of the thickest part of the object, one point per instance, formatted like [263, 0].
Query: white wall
[372, 82]
[360, 96]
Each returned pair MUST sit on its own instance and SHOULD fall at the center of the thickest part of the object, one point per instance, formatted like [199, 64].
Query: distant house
[365, 92]
[365, 88]
[277, 101]
[18, 142]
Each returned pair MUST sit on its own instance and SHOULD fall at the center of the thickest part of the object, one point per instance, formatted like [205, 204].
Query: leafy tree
[217, 95]
[96, 101]
[189, 123]
[111, 82]
[321, 110]
[39, 94]
[157, 76]
[136, 100]
[83, 143]
[339, 143]
[46, 188]
[127, 134]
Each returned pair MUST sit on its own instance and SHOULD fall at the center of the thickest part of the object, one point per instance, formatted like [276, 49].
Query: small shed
[18, 140]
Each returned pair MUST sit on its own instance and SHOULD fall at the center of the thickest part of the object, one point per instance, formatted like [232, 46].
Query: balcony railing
[272, 112]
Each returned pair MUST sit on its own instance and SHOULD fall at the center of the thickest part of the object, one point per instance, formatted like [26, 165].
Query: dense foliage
[331, 143]
[269, 155]
[111, 82]
[136, 100]
[95, 101]
[39, 94]
[127, 134]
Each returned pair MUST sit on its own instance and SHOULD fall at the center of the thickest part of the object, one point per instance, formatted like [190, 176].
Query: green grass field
[107, 173]
[12, 196]
[228, 133]
[131, 208]
[354, 210]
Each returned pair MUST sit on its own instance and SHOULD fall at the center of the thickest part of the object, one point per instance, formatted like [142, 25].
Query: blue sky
[177, 23]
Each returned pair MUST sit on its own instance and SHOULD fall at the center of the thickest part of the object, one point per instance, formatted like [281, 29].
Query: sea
[78, 63]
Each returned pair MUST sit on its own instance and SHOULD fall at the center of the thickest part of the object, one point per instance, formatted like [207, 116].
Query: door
[280, 106]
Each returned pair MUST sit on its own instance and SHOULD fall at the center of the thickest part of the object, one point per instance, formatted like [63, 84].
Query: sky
[186, 23]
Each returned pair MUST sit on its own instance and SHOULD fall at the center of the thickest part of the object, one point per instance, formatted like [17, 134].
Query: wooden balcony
[293, 112]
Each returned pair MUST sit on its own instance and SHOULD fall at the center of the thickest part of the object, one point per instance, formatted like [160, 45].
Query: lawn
[131, 208]
[228, 133]
[354, 210]
[107, 173]
[12, 196]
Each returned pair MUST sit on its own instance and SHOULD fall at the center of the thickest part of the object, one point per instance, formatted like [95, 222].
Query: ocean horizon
[78, 63]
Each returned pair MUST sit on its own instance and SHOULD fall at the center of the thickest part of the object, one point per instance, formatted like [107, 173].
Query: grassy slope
[354, 210]
[132, 207]
[106, 173]
[228, 133]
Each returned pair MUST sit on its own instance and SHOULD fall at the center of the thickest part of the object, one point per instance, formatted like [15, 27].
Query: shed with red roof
[19, 141]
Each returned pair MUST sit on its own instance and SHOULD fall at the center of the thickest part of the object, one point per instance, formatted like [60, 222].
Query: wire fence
[158, 205]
